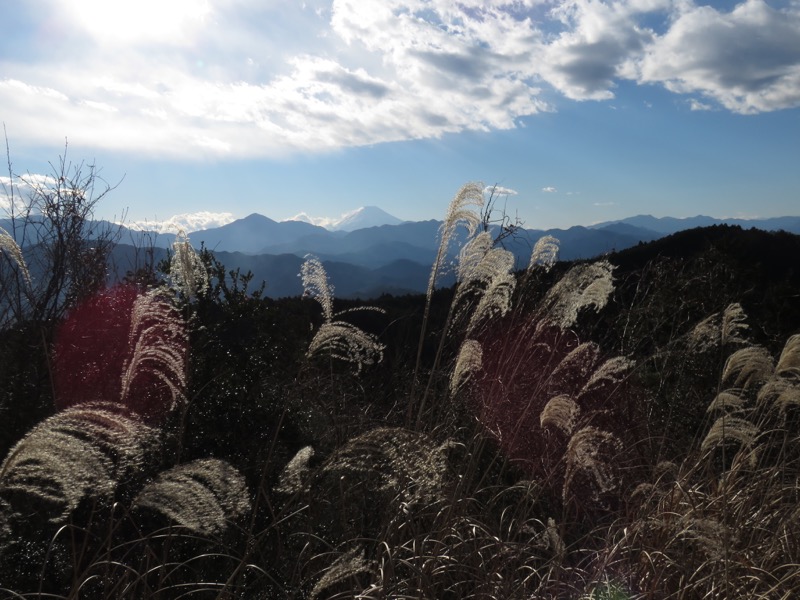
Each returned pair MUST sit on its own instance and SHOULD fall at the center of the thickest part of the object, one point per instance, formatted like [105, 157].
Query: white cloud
[188, 222]
[18, 191]
[499, 190]
[696, 105]
[244, 78]
[326, 222]
[549, 189]
[747, 59]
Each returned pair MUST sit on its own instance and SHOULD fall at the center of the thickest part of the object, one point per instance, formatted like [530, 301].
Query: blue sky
[584, 111]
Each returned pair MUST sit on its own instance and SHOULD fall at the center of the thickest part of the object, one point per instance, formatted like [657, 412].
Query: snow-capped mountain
[360, 218]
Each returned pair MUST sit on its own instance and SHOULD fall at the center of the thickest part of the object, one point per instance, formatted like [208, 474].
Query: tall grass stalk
[461, 211]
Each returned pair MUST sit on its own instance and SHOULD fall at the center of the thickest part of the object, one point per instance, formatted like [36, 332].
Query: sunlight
[129, 21]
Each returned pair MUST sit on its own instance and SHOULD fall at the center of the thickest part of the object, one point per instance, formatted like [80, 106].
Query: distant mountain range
[394, 256]
[669, 225]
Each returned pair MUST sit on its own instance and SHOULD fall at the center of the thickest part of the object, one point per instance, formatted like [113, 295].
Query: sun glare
[126, 21]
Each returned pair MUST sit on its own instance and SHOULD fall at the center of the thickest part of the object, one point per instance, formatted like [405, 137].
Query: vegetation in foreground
[617, 429]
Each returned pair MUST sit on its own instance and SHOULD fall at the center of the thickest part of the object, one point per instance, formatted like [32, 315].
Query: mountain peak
[365, 216]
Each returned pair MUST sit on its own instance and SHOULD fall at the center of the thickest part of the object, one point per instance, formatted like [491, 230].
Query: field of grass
[623, 428]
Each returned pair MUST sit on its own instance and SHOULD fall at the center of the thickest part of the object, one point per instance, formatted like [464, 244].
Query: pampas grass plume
[187, 272]
[544, 254]
[747, 367]
[561, 412]
[583, 286]
[789, 361]
[470, 359]
[10, 247]
[205, 496]
[728, 429]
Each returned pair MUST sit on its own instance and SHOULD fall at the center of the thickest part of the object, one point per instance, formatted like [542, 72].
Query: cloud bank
[187, 222]
[244, 78]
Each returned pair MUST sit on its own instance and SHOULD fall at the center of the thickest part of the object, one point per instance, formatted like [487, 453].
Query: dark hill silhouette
[667, 286]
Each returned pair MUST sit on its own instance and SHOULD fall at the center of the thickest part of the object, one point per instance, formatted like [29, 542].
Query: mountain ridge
[372, 260]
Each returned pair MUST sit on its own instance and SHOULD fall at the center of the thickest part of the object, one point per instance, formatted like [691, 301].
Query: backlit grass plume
[561, 412]
[484, 288]
[781, 390]
[484, 275]
[372, 477]
[462, 210]
[122, 345]
[80, 454]
[544, 254]
[720, 329]
[206, 496]
[557, 408]
[158, 341]
[583, 286]
[10, 249]
[591, 464]
[731, 430]
[789, 361]
[469, 360]
[336, 338]
[747, 368]
[187, 273]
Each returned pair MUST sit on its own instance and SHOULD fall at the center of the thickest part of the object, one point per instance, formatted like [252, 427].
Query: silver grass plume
[484, 271]
[727, 401]
[550, 541]
[789, 361]
[575, 368]
[495, 301]
[544, 254]
[704, 534]
[316, 285]
[296, 474]
[611, 373]
[375, 477]
[476, 265]
[461, 211]
[780, 394]
[727, 429]
[344, 341]
[748, 367]
[9, 246]
[340, 339]
[782, 390]
[397, 462]
[469, 361]
[561, 412]
[79, 454]
[720, 329]
[206, 496]
[343, 572]
[159, 340]
[582, 286]
[187, 272]
[592, 452]
[733, 324]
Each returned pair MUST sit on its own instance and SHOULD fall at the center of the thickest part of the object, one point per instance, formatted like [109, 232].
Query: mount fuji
[360, 218]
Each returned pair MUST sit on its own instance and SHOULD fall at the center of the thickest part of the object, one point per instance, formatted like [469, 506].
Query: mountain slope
[251, 234]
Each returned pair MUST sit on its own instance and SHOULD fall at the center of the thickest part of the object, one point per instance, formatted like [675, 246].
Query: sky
[198, 112]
